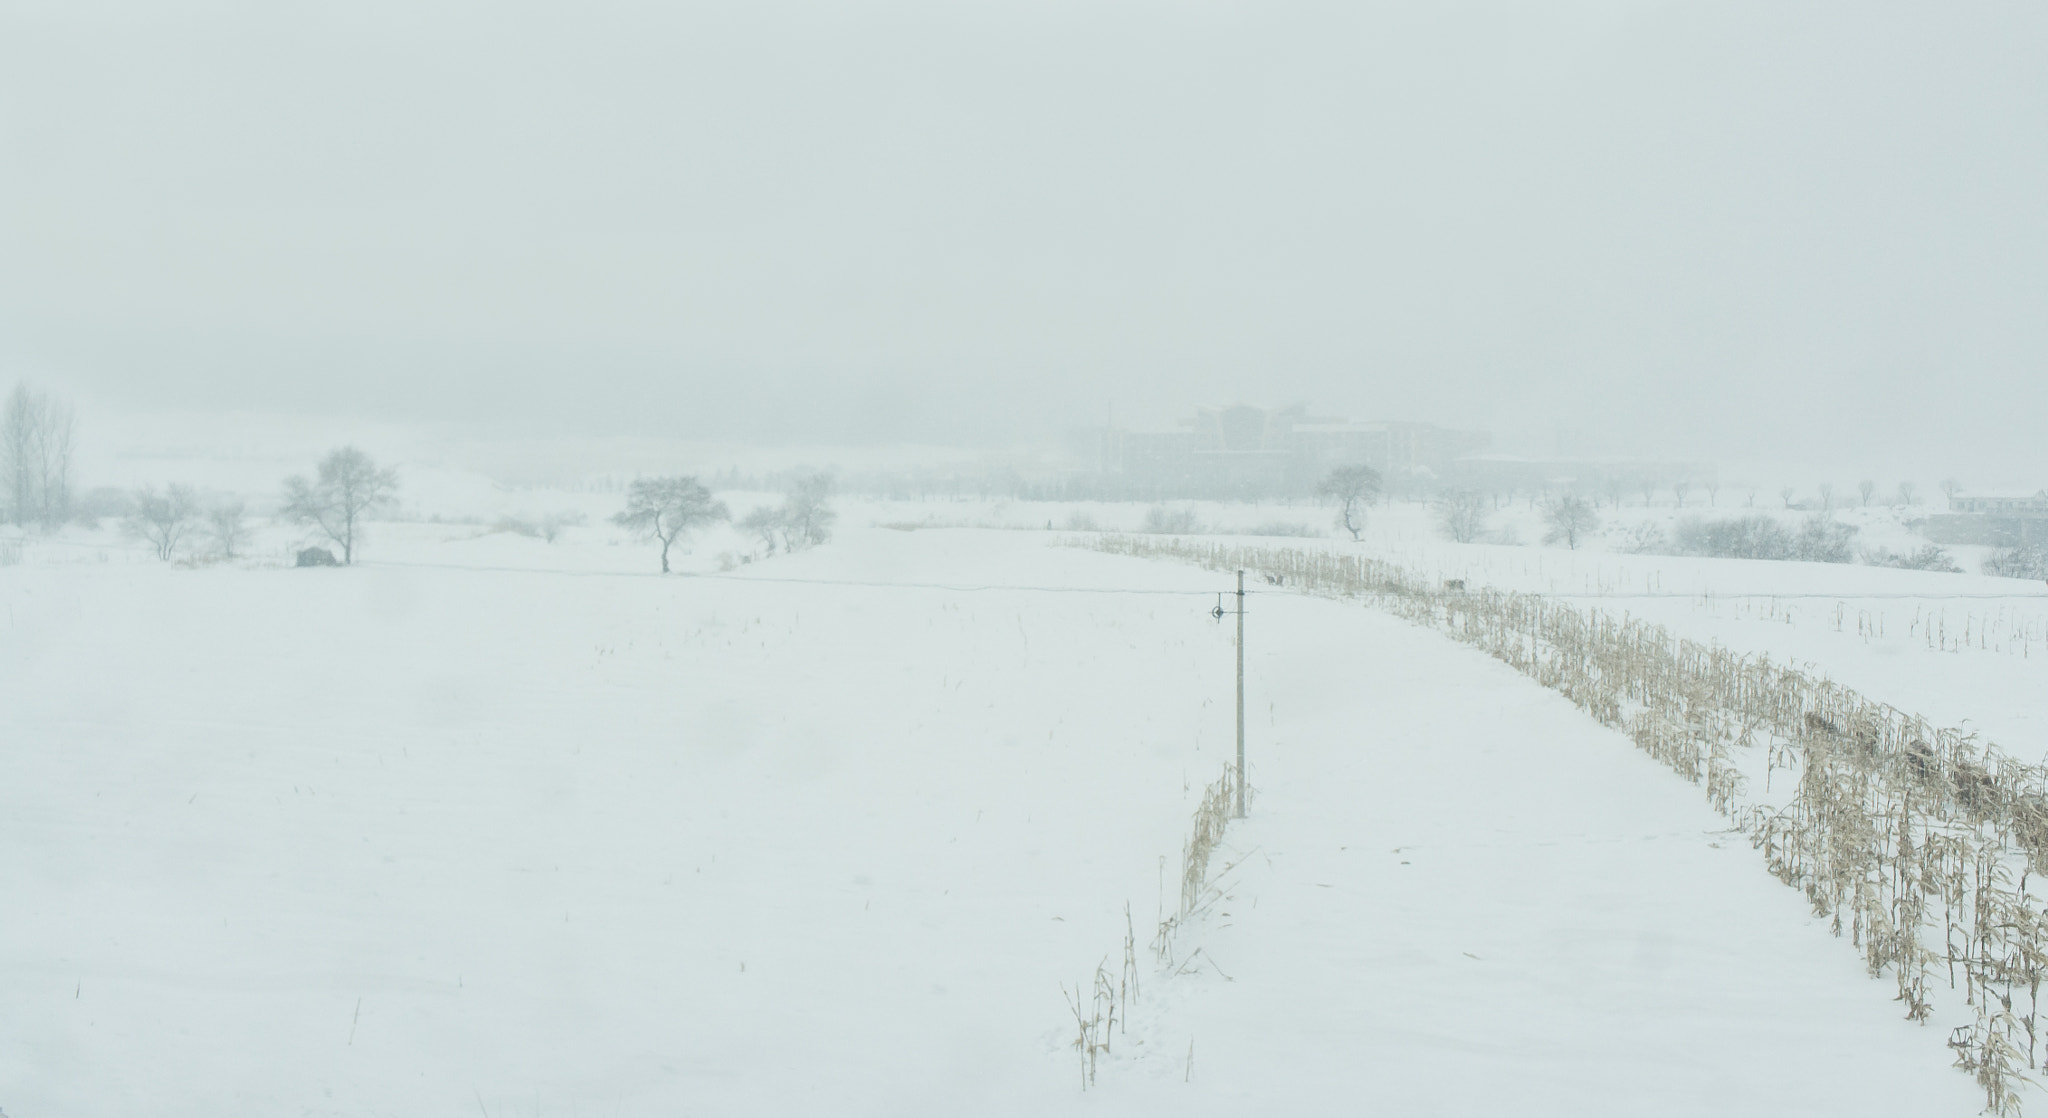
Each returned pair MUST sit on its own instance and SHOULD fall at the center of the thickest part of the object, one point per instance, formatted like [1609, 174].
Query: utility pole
[1240, 694]
[1218, 614]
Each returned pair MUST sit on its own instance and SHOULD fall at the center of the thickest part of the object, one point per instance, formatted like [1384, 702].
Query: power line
[965, 589]
[958, 588]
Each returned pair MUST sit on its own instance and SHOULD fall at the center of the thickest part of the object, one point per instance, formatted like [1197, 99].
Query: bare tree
[1570, 519]
[1950, 487]
[348, 487]
[54, 481]
[1616, 485]
[1827, 496]
[664, 508]
[1353, 487]
[1713, 491]
[1462, 513]
[227, 524]
[1866, 489]
[767, 526]
[807, 513]
[17, 452]
[36, 435]
[1786, 494]
[163, 519]
[1679, 489]
[1649, 484]
[1907, 492]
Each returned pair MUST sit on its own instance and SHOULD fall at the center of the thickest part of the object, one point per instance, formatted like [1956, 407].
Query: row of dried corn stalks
[1107, 1011]
[1918, 841]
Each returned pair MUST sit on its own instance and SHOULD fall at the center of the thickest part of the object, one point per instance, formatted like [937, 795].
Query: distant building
[1246, 451]
[1999, 519]
[2010, 503]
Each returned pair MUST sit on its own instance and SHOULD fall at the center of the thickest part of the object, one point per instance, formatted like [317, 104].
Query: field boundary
[1918, 841]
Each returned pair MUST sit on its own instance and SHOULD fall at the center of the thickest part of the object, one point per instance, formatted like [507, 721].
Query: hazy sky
[1619, 223]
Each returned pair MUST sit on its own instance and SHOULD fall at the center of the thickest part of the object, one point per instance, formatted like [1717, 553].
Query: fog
[777, 557]
[1766, 231]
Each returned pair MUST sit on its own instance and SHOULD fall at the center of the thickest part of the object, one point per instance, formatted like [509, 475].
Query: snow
[489, 822]
[1897, 636]
[1457, 897]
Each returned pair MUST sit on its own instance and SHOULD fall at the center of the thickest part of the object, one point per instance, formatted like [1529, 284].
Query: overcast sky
[1711, 228]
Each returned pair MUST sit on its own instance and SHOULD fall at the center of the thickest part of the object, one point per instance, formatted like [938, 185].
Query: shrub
[1823, 539]
[552, 524]
[514, 526]
[1927, 558]
[1163, 521]
[1281, 528]
[2023, 561]
[1737, 537]
[1645, 538]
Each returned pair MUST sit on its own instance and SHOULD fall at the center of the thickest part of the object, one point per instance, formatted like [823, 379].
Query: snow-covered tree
[1462, 513]
[766, 524]
[807, 513]
[1353, 487]
[1571, 519]
[228, 526]
[665, 508]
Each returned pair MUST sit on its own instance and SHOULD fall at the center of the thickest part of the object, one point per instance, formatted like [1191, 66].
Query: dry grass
[1198, 889]
[1107, 1009]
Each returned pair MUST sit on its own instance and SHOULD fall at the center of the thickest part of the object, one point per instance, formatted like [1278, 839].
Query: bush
[553, 524]
[1823, 539]
[1281, 528]
[514, 526]
[2023, 561]
[1163, 521]
[1737, 537]
[1646, 537]
[1927, 558]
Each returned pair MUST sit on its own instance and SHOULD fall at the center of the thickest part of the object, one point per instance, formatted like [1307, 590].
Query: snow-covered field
[493, 823]
[1960, 649]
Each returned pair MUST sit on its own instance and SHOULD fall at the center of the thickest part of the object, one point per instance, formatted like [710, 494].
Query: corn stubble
[1106, 1011]
[1917, 842]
